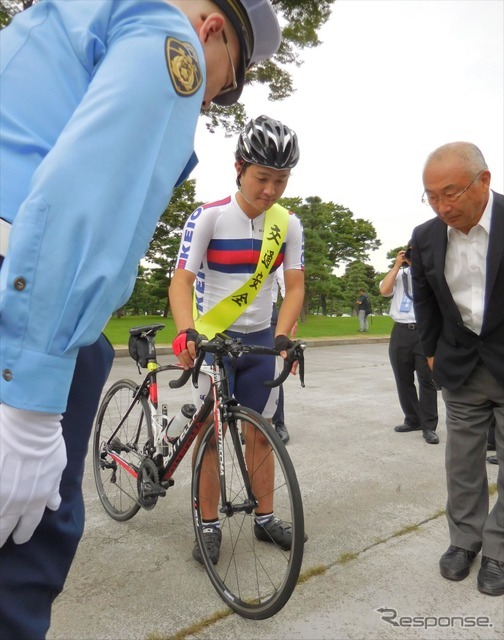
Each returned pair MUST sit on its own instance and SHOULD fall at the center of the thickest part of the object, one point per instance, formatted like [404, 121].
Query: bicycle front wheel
[255, 576]
[117, 487]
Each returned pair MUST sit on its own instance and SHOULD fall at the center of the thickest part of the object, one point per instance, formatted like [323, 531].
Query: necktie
[406, 285]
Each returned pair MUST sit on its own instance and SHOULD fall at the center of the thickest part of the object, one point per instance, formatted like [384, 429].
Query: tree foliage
[141, 300]
[333, 238]
[165, 242]
[301, 20]
[359, 275]
[9, 8]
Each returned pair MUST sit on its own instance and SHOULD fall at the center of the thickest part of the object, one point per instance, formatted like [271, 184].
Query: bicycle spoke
[254, 577]
[117, 488]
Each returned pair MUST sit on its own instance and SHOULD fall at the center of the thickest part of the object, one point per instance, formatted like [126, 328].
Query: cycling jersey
[221, 246]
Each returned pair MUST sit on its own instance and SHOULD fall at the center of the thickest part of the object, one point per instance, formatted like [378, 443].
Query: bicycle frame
[216, 400]
[239, 464]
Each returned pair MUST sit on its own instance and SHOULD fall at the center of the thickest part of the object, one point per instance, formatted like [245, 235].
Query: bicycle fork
[229, 508]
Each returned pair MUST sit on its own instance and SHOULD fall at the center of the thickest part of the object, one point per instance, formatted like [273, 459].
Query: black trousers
[407, 357]
[33, 573]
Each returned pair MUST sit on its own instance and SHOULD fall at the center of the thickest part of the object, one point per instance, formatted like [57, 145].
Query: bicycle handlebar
[295, 353]
[223, 345]
[180, 382]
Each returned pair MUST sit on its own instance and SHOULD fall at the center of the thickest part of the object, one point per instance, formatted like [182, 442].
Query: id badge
[406, 304]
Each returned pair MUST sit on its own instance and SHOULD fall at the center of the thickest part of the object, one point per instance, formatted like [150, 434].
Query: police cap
[256, 25]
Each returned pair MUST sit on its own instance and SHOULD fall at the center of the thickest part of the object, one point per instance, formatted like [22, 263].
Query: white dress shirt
[465, 268]
[401, 307]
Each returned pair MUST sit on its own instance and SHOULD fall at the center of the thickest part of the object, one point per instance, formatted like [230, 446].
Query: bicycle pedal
[167, 483]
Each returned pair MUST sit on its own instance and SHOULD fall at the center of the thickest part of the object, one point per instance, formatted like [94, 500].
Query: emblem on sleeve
[183, 66]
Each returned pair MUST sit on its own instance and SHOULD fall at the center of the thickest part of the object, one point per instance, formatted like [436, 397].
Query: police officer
[100, 102]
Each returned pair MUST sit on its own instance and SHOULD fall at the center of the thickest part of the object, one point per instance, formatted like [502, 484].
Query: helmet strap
[245, 198]
[240, 162]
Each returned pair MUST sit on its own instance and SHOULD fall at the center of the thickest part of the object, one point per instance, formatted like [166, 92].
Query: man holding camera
[407, 356]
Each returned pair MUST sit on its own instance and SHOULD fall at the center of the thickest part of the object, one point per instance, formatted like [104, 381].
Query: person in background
[100, 102]
[233, 248]
[406, 353]
[278, 417]
[458, 288]
[363, 310]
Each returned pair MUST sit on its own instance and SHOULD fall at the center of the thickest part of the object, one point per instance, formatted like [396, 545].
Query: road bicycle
[135, 458]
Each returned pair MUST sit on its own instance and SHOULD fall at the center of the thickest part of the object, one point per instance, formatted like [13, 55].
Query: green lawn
[315, 327]
[326, 327]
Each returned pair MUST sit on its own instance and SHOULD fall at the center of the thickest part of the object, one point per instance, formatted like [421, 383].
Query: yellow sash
[229, 309]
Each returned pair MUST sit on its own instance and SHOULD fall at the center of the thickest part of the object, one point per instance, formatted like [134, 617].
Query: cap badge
[183, 66]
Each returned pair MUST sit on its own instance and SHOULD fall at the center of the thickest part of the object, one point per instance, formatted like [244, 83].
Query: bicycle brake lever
[201, 341]
[294, 353]
[301, 367]
[197, 366]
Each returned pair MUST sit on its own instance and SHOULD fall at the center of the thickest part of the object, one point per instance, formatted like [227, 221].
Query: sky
[392, 81]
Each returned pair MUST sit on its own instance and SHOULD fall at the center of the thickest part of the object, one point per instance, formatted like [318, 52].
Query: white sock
[262, 520]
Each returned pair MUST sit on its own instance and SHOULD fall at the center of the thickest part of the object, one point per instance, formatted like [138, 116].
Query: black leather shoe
[430, 436]
[456, 562]
[492, 460]
[491, 577]
[402, 428]
[281, 429]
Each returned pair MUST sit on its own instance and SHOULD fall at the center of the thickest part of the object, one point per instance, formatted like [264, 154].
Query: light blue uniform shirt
[97, 126]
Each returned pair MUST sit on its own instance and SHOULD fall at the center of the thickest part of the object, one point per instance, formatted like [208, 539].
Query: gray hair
[468, 152]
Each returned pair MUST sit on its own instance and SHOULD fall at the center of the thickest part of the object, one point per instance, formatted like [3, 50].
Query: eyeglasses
[234, 84]
[450, 198]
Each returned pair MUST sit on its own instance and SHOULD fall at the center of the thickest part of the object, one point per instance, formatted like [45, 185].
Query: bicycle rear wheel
[255, 578]
[117, 488]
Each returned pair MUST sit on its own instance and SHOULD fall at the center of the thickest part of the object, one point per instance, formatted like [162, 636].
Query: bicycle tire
[117, 488]
[254, 578]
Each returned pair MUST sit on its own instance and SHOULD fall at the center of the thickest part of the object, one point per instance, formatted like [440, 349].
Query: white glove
[32, 459]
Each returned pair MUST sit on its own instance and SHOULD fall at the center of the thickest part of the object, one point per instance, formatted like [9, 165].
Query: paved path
[373, 503]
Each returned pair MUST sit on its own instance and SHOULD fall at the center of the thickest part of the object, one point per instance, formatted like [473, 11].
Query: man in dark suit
[458, 285]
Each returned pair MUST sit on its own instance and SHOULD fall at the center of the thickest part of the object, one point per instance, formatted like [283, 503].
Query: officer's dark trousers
[407, 356]
[33, 574]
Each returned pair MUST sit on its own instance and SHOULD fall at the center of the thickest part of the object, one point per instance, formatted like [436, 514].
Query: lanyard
[406, 285]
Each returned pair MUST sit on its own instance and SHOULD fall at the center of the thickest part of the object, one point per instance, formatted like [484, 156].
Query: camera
[407, 254]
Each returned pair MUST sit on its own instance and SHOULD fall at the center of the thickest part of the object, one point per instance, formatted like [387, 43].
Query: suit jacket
[457, 349]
